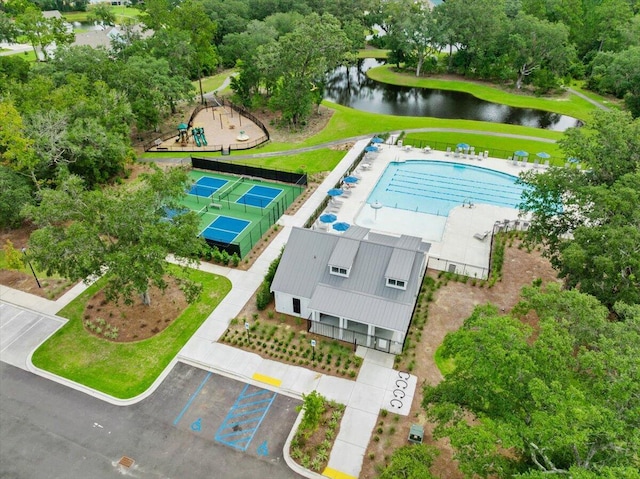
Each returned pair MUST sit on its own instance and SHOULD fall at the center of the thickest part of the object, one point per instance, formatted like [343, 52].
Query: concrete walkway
[27, 321]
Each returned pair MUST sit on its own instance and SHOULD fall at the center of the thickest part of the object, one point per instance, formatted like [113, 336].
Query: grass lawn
[120, 12]
[212, 83]
[324, 159]
[123, 370]
[498, 147]
[373, 53]
[571, 105]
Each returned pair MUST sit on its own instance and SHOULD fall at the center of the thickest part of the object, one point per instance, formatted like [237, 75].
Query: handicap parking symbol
[263, 450]
[197, 425]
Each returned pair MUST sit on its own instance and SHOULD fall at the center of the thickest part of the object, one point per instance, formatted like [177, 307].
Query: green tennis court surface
[236, 211]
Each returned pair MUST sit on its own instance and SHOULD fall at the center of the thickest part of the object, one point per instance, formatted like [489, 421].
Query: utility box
[416, 433]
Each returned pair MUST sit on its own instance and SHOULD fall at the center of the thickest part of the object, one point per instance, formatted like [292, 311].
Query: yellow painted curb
[267, 379]
[333, 474]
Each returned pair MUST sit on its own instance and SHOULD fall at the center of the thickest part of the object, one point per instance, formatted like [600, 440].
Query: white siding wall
[284, 304]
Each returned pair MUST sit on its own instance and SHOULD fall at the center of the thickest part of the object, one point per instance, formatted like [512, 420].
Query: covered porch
[357, 333]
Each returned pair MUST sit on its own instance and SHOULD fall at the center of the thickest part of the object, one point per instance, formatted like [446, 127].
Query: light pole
[313, 350]
[24, 252]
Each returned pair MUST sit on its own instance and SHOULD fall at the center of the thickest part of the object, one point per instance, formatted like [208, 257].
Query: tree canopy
[589, 222]
[561, 397]
[121, 231]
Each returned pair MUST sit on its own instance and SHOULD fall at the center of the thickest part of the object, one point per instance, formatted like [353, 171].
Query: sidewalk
[377, 386]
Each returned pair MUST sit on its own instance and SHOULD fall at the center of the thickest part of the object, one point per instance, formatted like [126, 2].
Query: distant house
[359, 287]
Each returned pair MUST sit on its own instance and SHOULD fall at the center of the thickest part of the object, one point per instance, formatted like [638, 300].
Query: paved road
[48, 430]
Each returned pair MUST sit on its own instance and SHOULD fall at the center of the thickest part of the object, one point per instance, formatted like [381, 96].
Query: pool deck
[452, 238]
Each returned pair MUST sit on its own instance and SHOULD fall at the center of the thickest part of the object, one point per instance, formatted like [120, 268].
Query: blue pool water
[435, 187]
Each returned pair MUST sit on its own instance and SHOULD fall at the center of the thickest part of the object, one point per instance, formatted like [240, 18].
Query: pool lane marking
[267, 379]
[193, 396]
[335, 474]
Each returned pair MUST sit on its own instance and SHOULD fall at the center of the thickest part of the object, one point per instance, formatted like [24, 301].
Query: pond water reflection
[351, 87]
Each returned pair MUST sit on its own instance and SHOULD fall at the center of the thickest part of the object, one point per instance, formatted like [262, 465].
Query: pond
[351, 87]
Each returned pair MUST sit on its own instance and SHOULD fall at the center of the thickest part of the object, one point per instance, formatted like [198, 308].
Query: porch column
[343, 326]
[371, 332]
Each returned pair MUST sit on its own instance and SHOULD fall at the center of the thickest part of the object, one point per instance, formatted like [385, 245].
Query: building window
[296, 306]
[339, 271]
[396, 283]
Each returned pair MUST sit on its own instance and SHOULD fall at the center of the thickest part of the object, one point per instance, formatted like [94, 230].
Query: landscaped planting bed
[320, 424]
[286, 340]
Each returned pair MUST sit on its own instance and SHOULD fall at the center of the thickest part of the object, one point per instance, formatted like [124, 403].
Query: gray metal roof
[356, 232]
[304, 272]
[363, 308]
[344, 253]
[400, 264]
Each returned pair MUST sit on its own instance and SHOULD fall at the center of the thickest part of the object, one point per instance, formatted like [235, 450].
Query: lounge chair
[486, 153]
[546, 163]
[536, 162]
[448, 152]
[481, 236]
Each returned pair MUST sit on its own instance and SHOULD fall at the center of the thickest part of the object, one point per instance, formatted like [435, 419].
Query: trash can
[399, 143]
[416, 433]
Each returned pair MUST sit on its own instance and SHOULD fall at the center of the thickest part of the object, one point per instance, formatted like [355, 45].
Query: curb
[293, 465]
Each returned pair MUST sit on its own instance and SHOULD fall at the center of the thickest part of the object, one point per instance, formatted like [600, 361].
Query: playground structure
[217, 126]
[197, 133]
[198, 136]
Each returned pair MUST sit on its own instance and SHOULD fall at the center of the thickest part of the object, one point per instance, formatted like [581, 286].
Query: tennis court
[206, 186]
[260, 196]
[236, 211]
[225, 229]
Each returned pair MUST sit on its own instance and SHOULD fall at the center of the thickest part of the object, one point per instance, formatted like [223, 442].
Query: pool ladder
[467, 201]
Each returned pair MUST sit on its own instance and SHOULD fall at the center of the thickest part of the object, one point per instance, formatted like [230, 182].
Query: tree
[122, 232]
[16, 150]
[43, 32]
[15, 192]
[410, 462]
[588, 223]
[561, 396]
[8, 30]
[619, 74]
[102, 13]
[414, 27]
[537, 44]
[301, 59]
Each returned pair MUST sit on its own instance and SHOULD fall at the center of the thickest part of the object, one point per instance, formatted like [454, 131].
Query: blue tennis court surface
[244, 417]
[225, 229]
[260, 196]
[207, 186]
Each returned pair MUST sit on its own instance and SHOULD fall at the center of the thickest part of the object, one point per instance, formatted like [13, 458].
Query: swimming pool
[435, 187]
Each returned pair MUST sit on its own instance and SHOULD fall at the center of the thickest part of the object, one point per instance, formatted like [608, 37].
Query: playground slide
[196, 138]
[203, 139]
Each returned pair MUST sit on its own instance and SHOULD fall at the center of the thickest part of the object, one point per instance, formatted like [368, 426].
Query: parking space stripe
[234, 431]
[267, 379]
[193, 396]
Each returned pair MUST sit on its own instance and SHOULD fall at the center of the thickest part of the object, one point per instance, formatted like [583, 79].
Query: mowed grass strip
[498, 146]
[123, 370]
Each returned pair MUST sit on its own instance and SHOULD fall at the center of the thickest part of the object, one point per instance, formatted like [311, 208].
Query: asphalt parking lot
[196, 425]
[228, 413]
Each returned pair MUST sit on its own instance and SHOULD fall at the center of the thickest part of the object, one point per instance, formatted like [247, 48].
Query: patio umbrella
[521, 153]
[370, 148]
[328, 218]
[376, 205]
[543, 155]
[335, 192]
[182, 126]
[462, 146]
[377, 139]
[350, 179]
[341, 226]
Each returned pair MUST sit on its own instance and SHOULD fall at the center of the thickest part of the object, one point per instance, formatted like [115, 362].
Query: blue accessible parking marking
[193, 396]
[244, 419]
